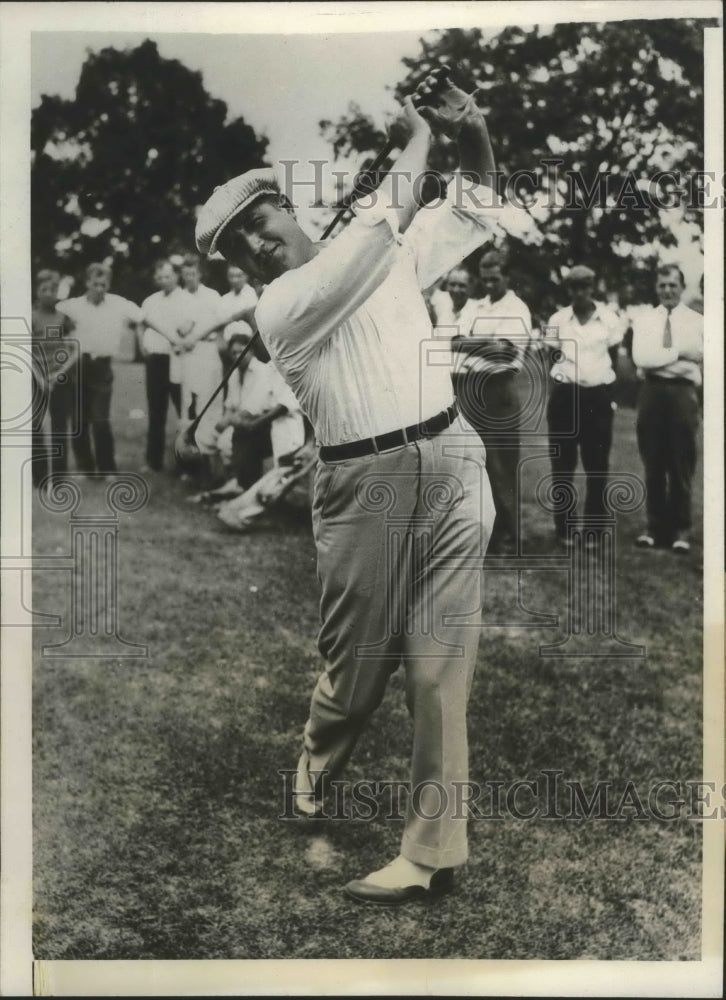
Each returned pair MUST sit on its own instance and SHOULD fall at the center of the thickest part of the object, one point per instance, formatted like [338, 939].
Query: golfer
[402, 511]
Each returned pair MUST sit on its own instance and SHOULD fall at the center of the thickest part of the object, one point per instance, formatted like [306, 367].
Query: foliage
[613, 102]
[117, 172]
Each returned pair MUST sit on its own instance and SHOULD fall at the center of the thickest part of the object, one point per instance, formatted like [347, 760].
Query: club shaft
[357, 190]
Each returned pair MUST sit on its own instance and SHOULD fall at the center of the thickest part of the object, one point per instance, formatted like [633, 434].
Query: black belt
[393, 439]
[663, 379]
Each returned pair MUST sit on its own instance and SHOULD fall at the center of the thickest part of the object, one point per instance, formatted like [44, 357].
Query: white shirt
[167, 310]
[507, 318]
[349, 330]
[202, 307]
[686, 334]
[262, 388]
[457, 323]
[231, 302]
[98, 328]
[584, 346]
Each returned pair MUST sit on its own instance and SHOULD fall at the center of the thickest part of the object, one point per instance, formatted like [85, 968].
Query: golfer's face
[266, 241]
[669, 289]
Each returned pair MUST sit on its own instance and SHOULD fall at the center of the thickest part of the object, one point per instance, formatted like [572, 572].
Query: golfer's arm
[476, 156]
[398, 188]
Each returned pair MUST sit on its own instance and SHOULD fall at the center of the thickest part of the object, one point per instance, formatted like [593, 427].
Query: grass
[156, 793]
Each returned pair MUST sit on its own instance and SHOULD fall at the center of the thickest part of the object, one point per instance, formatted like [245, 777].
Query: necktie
[667, 332]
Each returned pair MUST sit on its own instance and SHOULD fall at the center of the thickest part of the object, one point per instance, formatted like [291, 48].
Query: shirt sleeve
[67, 308]
[616, 326]
[131, 311]
[303, 307]
[441, 235]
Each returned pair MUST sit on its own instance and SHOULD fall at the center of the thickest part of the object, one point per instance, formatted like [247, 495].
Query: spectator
[261, 415]
[585, 335]
[98, 320]
[201, 362]
[240, 297]
[264, 418]
[492, 353]
[164, 313]
[668, 346]
[54, 378]
[452, 304]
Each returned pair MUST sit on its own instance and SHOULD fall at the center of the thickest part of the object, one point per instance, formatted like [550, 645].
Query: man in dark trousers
[585, 336]
[668, 347]
[98, 320]
[164, 313]
[347, 327]
[485, 386]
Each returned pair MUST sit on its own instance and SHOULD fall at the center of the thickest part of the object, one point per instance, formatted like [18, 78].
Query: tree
[594, 110]
[118, 171]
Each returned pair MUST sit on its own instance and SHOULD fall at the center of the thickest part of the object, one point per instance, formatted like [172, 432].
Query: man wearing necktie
[668, 347]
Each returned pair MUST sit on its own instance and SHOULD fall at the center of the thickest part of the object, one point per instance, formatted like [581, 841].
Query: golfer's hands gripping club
[445, 106]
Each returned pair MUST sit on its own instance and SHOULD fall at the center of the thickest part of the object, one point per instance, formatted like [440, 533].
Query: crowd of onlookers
[188, 334]
[583, 347]
[253, 443]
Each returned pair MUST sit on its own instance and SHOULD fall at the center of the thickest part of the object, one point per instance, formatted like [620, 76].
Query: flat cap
[229, 200]
[580, 273]
[237, 328]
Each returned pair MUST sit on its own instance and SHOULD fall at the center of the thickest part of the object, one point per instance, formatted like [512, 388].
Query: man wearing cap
[491, 354]
[402, 510]
[668, 347]
[584, 337]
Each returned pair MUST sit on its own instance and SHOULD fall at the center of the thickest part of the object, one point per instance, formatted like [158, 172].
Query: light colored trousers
[201, 374]
[401, 538]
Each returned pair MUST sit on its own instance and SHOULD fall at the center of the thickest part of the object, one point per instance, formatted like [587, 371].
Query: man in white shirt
[164, 313]
[261, 418]
[201, 361]
[240, 298]
[454, 309]
[668, 347]
[261, 415]
[491, 354]
[346, 325]
[98, 321]
[584, 337]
